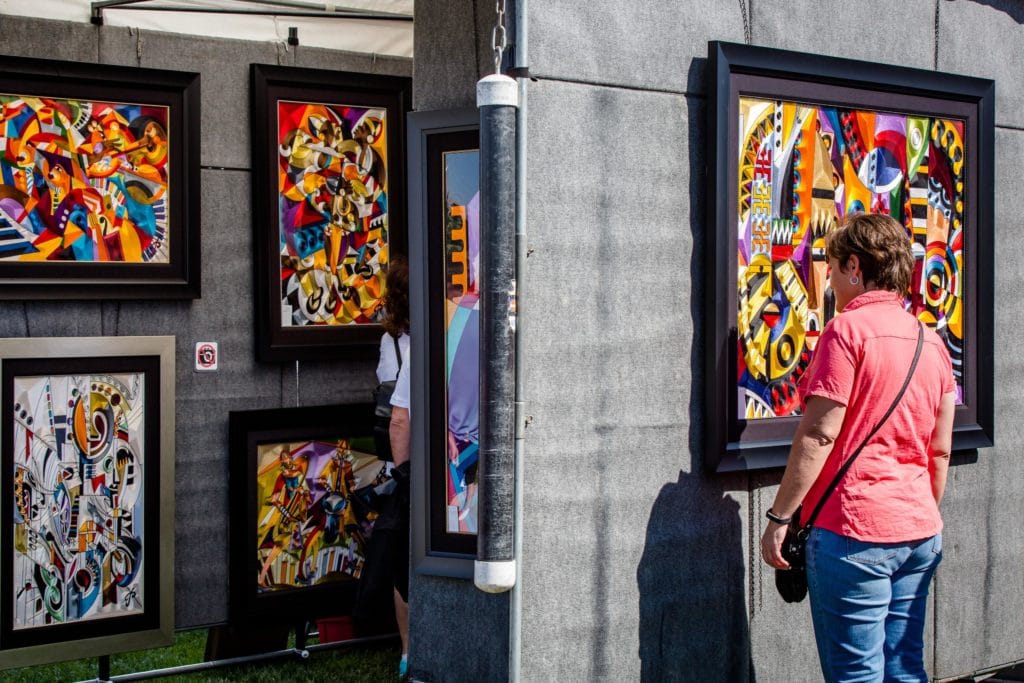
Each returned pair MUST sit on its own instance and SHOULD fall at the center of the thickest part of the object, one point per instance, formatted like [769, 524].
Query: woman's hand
[812, 443]
[771, 545]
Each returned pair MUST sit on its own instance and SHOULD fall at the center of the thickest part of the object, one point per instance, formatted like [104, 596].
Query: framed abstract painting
[99, 181]
[87, 531]
[328, 207]
[444, 169]
[299, 522]
[796, 144]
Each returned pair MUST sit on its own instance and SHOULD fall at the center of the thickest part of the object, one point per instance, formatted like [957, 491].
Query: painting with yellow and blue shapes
[802, 169]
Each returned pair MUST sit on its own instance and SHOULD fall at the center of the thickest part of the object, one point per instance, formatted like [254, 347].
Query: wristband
[775, 518]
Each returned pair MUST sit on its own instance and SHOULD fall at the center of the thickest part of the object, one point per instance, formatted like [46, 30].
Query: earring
[854, 280]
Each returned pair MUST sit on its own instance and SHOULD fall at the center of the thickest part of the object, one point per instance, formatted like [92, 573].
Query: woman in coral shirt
[878, 539]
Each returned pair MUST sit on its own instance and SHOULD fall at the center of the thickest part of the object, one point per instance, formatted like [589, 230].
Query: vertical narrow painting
[309, 531]
[333, 167]
[461, 222]
[86, 530]
[328, 151]
[802, 169]
[78, 498]
[444, 302]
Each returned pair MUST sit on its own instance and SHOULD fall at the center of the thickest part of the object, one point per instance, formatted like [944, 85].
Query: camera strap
[849, 461]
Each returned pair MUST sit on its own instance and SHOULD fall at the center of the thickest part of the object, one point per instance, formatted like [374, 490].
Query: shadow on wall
[1012, 8]
[693, 617]
[693, 612]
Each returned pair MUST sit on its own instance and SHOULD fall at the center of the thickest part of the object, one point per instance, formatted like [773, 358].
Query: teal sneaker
[403, 668]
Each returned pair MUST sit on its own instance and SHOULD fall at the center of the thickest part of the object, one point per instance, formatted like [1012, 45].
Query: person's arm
[399, 433]
[941, 445]
[815, 436]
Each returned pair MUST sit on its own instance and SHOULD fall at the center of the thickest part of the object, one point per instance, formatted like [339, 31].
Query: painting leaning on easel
[303, 507]
[87, 473]
[308, 532]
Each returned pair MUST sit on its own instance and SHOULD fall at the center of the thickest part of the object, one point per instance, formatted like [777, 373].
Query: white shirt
[387, 366]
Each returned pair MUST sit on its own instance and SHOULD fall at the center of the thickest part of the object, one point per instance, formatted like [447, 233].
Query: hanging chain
[746, 21]
[499, 37]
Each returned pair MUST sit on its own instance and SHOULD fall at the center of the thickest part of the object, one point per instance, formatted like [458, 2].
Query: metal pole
[495, 567]
[103, 668]
[515, 626]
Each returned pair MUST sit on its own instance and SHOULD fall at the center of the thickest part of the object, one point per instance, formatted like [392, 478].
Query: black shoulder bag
[382, 413]
[792, 582]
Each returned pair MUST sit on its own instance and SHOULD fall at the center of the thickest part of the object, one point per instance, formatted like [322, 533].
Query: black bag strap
[398, 354]
[853, 456]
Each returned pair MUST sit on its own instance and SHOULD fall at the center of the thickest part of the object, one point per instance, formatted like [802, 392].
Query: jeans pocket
[866, 553]
[937, 544]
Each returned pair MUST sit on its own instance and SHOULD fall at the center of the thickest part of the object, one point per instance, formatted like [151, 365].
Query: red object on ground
[335, 629]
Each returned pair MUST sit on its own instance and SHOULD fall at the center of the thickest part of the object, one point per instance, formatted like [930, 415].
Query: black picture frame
[432, 134]
[248, 430]
[145, 442]
[736, 443]
[271, 85]
[67, 278]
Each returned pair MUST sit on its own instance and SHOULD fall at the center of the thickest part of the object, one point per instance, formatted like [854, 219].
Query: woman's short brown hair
[396, 298]
[881, 244]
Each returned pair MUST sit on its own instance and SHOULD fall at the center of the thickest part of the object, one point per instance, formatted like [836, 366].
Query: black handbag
[792, 583]
[382, 412]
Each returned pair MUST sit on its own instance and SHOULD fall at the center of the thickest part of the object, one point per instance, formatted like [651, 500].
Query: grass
[357, 664]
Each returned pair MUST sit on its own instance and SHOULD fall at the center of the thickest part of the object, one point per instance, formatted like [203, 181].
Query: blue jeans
[868, 604]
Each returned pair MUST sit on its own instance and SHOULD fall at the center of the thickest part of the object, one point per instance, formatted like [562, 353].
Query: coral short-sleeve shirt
[861, 361]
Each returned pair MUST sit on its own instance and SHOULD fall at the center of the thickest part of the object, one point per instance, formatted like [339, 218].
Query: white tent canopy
[334, 25]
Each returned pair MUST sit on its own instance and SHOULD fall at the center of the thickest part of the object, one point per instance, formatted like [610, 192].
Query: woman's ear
[853, 265]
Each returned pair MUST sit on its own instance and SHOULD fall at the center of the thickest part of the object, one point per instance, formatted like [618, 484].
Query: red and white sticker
[206, 356]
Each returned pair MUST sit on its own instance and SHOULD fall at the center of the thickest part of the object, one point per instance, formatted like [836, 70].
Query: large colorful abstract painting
[798, 145]
[301, 514]
[329, 191]
[84, 456]
[96, 181]
[802, 169]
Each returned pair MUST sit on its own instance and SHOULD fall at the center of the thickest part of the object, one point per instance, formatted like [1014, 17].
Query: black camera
[794, 550]
[792, 583]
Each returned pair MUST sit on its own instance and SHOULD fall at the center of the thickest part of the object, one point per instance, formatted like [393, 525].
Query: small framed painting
[301, 478]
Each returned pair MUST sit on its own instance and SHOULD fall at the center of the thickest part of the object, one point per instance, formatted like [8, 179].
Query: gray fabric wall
[637, 565]
[225, 312]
